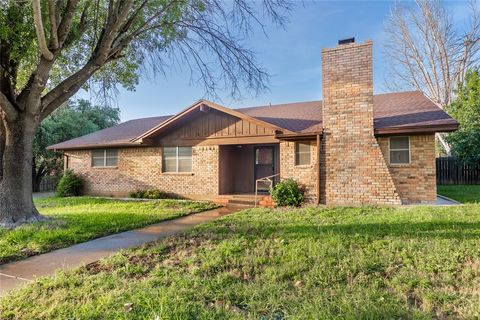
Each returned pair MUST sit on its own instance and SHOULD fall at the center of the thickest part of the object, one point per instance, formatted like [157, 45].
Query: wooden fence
[48, 183]
[452, 171]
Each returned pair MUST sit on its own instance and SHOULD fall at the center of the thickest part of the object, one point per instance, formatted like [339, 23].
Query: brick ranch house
[353, 147]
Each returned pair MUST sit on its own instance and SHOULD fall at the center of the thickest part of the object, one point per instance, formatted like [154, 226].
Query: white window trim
[303, 152]
[177, 159]
[409, 151]
[104, 159]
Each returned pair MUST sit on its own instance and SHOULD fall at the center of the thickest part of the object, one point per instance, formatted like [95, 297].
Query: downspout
[65, 162]
[318, 168]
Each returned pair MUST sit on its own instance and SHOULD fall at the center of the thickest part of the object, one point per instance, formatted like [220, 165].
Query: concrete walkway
[17, 274]
[38, 195]
[444, 201]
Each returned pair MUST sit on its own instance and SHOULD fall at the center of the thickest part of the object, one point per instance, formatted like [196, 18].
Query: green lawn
[345, 263]
[74, 220]
[461, 193]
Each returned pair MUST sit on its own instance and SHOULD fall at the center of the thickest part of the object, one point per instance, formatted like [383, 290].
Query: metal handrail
[265, 179]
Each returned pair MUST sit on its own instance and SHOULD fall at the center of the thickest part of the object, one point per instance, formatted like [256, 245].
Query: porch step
[245, 200]
[241, 202]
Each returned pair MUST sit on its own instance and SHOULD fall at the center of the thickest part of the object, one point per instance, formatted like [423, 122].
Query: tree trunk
[37, 175]
[443, 143]
[16, 201]
[36, 180]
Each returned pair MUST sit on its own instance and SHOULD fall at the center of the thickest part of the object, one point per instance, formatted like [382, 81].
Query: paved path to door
[17, 274]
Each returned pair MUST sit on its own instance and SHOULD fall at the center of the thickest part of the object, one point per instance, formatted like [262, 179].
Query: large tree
[49, 49]
[430, 52]
[74, 119]
[465, 142]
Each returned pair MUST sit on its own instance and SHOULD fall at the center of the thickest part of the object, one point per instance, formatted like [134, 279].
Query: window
[264, 155]
[302, 153]
[399, 150]
[177, 159]
[105, 158]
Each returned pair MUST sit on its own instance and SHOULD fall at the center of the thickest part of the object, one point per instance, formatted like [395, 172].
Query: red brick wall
[416, 181]
[355, 171]
[306, 175]
[141, 169]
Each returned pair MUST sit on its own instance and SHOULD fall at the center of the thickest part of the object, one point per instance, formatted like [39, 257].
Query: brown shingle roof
[402, 110]
[118, 135]
[407, 109]
[297, 117]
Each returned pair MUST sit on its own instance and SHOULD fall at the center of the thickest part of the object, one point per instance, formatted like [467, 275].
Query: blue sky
[291, 56]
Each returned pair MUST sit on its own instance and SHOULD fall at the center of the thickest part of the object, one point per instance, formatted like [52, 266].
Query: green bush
[149, 194]
[288, 193]
[70, 185]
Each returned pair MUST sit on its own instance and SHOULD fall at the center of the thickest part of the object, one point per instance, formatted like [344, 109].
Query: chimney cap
[346, 41]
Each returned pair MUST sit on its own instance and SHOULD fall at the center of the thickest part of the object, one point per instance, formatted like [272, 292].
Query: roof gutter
[94, 146]
[417, 130]
[298, 136]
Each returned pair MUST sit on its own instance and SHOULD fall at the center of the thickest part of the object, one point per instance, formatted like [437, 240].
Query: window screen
[302, 153]
[399, 150]
[177, 159]
[105, 158]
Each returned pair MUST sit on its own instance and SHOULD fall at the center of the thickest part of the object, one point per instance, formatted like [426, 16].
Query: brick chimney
[354, 170]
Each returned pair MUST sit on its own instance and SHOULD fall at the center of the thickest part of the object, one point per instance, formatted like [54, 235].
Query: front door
[264, 166]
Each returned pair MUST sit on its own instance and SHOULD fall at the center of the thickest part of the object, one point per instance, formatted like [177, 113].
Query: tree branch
[8, 108]
[37, 18]
[31, 93]
[66, 89]
[66, 21]
[53, 24]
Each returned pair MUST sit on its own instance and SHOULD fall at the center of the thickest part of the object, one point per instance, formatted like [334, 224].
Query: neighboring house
[352, 148]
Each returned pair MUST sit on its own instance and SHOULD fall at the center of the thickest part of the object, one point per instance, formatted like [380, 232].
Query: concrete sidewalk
[17, 274]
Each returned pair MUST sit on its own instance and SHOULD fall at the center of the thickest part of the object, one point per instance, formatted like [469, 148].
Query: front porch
[242, 165]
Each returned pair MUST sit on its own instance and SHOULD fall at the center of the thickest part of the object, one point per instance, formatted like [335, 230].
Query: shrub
[70, 185]
[136, 194]
[149, 194]
[288, 193]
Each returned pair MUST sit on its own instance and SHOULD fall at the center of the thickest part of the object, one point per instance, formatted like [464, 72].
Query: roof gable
[204, 106]
[200, 127]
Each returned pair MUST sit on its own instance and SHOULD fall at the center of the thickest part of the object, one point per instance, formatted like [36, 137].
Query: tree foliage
[50, 49]
[427, 51]
[466, 109]
[74, 119]
[108, 43]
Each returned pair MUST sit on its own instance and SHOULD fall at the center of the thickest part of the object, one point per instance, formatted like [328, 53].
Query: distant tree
[428, 52]
[50, 49]
[466, 109]
[72, 120]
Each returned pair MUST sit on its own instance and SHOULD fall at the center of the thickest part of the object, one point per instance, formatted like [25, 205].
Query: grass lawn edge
[53, 220]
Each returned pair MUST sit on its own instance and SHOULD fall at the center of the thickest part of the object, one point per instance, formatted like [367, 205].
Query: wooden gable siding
[218, 126]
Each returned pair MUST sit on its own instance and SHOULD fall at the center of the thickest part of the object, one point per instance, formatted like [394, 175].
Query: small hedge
[288, 193]
[150, 194]
[70, 185]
